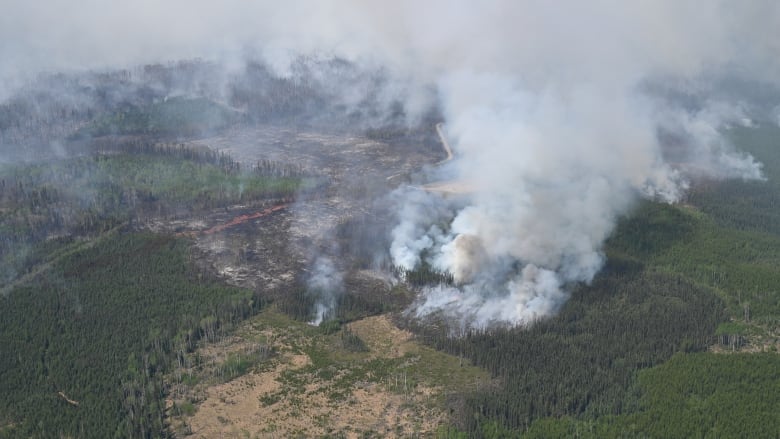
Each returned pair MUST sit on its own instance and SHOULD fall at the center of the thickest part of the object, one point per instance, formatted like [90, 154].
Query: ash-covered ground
[344, 220]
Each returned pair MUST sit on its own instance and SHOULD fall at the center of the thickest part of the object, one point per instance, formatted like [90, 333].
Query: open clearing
[315, 384]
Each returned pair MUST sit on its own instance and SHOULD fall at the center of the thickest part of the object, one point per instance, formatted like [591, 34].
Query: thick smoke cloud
[549, 106]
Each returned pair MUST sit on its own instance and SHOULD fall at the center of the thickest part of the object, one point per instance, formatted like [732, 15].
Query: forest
[95, 315]
[631, 354]
[99, 329]
[676, 337]
[84, 196]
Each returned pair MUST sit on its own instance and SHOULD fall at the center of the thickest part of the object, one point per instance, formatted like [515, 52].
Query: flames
[235, 221]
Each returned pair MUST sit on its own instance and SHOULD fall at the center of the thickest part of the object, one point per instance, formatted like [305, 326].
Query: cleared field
[368, 377]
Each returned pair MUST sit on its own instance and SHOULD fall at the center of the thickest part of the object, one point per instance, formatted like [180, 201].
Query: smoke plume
[550, 107]
[324, 284]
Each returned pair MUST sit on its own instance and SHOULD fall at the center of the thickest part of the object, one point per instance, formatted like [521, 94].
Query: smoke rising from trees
[551, 108]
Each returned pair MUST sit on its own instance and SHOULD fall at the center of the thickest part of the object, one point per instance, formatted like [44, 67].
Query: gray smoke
[555, 130]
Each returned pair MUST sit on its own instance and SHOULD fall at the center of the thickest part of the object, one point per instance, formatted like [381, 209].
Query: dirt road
[444, 143]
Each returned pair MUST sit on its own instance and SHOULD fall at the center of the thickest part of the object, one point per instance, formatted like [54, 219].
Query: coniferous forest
[677, 335]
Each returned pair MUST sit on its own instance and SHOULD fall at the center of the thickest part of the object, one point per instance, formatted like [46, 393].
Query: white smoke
[557, 142]
[544, 102]
[417, 230]
[325, 283]
[553, 172]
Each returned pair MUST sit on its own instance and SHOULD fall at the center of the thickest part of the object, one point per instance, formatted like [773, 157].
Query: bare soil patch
[313, 388]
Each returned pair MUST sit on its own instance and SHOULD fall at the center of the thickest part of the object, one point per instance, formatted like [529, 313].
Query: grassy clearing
[315, 385]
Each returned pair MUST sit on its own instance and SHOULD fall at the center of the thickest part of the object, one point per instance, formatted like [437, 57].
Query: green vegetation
[747, 205]
[93, 315]
[344, 356]
[620, 359]
[583, 361]
[177, 116]
[185, 408]
[349, 306]
[711, 395]
[319, 374]
[740, 265]
[691, 395]
[727, 237]
[118, 185]
[351, 342]
[88, 195]
[100, 326]
[236, 364]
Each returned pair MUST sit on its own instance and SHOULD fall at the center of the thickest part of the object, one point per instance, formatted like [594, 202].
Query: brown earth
[314, 388]
[312, 385]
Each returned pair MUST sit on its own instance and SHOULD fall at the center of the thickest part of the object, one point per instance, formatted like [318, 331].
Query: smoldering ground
[547, 106]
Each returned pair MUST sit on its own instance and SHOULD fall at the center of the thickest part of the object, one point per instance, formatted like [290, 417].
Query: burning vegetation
[415, 234]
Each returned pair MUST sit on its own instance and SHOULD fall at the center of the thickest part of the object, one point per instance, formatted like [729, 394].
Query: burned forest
[372, 219]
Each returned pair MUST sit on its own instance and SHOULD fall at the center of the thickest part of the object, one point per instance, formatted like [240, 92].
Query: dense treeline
[706, 394]
[747, 205]
[199, 154]
[322, 92]
[727, 236]
[196, 98]
[692, 395]
[268, 97]
[576, 374]
[52, 107]
[582, 362]
[177, 116]
[423, 275]
[146, 146]
[100, 326]
[110, 319]
[88, 195]
[676, 275]
[87, 335]
[349, 305]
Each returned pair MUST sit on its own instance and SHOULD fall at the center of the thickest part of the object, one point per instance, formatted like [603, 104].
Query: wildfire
[235, 221]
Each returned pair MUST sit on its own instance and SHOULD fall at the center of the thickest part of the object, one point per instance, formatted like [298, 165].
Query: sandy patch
[288, 397]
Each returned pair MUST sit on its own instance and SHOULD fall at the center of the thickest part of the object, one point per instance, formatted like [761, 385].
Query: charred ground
[157, 258]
